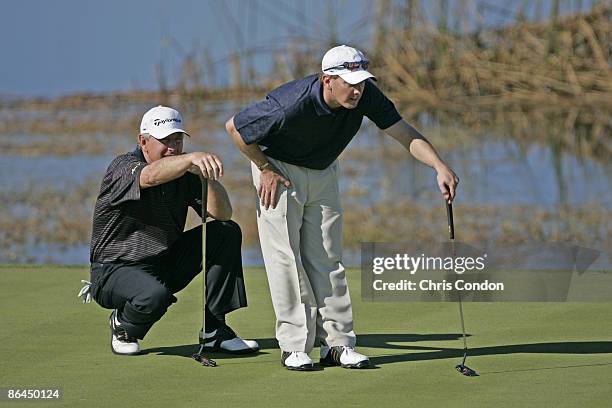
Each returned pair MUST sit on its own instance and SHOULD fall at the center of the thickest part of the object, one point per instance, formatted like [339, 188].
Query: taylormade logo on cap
[347, 62]
[161, 122]
[158, 122]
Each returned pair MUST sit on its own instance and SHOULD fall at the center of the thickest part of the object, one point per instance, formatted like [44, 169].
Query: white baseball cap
[161, 122]
[347, 62]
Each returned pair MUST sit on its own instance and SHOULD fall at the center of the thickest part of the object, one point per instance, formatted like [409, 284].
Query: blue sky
[60, 47]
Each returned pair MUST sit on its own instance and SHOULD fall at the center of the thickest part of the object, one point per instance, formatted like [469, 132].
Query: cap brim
[356, 77]
[164, 133]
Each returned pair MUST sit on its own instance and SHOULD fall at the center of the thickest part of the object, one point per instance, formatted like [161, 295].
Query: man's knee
[231, 231]
[154, 300]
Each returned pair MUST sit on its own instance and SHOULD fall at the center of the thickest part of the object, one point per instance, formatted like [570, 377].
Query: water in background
[494, 170]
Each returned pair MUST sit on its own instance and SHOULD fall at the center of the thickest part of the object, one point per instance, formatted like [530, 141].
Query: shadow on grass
[436, 353]
[420, 353]
[385, 341]
[187, 350]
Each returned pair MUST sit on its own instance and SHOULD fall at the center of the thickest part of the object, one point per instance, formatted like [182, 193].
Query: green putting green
[538, 354]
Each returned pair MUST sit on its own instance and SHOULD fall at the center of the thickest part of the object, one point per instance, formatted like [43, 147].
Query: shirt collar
[139, 154]
[316, 94]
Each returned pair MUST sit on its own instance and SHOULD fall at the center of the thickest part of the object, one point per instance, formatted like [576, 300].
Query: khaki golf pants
[301, 242]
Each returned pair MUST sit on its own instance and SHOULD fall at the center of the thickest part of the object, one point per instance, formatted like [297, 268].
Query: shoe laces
[297, 354]
[346, 349]
[222, 333]
[121, 334]
[226, 332]
[335, 352]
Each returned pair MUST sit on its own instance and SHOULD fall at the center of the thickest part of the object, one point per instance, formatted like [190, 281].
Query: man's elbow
[235, 135]
[229, 126]
[229, 211]
[225, 218]
[146, 179]
[223, 215]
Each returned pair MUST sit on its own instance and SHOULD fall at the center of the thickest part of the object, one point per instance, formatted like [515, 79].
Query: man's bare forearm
[164, 170]
[219, 206]
[424, 152]
[413, 141]
[170, 168]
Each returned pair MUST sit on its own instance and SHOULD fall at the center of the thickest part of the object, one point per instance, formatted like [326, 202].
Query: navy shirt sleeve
[123, 179]
[259, 120]
[378, 108]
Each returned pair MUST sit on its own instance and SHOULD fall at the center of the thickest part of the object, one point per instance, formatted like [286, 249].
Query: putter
[462, 368]
[199, 356]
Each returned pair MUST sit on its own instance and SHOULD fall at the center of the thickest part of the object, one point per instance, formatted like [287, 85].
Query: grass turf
[539, 354]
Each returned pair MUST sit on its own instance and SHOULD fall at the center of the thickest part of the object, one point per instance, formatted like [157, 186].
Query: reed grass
[540, 81]
[61, 217]
[546, 82]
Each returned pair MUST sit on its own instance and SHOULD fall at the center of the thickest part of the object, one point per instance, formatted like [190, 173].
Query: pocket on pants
[281, 204]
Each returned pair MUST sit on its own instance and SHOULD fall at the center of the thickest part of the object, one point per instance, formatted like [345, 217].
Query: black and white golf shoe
[225, 340]
[343, 356]
[121, 342]
[296, 361]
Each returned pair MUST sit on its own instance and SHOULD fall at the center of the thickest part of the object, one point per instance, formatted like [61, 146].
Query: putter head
[201, 358]
[205, 361]
[465, 370]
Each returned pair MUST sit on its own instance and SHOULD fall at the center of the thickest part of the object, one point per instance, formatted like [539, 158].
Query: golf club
[199, 356]
[462, 368]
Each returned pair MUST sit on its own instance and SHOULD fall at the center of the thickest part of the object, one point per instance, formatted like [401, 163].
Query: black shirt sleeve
[259, 120]
[123, 179]
[378, 108]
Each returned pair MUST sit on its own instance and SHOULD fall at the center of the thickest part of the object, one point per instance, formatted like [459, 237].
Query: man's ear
[326, 79]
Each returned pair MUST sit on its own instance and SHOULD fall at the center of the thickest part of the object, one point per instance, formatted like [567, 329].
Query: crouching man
[140, 256]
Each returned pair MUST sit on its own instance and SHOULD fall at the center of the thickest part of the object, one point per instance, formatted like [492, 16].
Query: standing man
[293, 139]
[140, 256]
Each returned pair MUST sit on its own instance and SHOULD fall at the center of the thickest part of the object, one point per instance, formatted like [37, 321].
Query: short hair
[323, 73]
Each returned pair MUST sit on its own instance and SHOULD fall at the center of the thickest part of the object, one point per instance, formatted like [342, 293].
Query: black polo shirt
[295, 125]
[130, 224]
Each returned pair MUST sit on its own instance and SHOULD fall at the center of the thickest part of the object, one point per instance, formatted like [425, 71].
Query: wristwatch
[264, 166]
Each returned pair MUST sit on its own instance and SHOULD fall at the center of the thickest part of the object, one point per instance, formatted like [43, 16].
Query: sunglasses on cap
[351, 66]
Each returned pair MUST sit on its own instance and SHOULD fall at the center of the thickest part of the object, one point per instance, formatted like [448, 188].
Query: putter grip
[451, 224]
[204, 206]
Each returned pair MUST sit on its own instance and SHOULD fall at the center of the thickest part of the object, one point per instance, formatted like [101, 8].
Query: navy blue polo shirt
[295, 125]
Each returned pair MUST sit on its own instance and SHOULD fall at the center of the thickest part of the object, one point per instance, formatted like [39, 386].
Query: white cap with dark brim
[334, 59]
[356, 77]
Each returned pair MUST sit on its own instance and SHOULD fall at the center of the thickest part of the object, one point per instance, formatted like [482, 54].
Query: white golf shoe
[225, 340]
[296, 361]
[121, 342]
[343, 356]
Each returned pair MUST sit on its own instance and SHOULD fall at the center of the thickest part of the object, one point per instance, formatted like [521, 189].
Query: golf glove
[85, 292]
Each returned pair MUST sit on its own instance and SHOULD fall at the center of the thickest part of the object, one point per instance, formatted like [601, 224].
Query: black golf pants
[142, 292]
